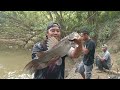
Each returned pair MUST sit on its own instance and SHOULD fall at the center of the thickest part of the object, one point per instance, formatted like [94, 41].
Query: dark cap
[53, 24]
[104, 46]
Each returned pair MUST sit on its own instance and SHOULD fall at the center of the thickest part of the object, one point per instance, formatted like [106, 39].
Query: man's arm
[75, 52]
[36, 49]
[103, 58]
[85, 50]
[88, 48]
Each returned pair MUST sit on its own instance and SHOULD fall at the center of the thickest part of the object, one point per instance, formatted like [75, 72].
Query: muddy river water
[12, 63]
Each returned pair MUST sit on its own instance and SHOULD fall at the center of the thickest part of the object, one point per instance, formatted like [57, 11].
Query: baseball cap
[104, 46]
[53, 24]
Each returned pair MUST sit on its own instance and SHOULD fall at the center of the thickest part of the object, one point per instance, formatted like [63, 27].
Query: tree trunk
[60, 20]
[93, 21]
[96, 27]
[50, 14]
[91, 17]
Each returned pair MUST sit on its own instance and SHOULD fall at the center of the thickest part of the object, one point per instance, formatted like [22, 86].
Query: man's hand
[101, 59]
[78, 40]
[97, 55]
[78, 49]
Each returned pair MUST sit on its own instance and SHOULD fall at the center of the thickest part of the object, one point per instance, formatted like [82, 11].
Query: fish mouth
[71, 39]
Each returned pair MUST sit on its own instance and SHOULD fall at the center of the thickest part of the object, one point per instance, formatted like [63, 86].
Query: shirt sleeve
[106, 56]
[90, 46]
[36, 48]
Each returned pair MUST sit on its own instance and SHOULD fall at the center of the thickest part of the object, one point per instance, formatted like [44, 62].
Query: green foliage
[20, 24]
[108, 15]
[27, 21]
[107, 30]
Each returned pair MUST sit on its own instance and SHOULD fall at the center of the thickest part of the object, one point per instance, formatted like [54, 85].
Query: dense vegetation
[25, 27]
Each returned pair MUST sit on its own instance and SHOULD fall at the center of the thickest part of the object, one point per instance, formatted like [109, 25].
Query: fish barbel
[55, 50]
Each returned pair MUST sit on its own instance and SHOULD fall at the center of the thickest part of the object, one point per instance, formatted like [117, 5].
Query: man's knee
[81, 68]
[97, 62]
[81, 71]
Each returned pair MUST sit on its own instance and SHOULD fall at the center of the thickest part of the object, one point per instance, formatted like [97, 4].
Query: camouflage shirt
[54, 71]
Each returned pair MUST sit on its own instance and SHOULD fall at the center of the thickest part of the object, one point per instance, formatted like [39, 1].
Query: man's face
[104, 49]
[84, 36]
[54, 32]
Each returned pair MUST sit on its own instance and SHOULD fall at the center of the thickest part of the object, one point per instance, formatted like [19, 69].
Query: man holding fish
[48, 57]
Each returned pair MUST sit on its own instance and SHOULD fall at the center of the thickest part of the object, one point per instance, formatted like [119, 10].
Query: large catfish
[55, 50]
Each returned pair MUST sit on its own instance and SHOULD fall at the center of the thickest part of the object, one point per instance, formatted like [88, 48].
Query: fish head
[69, 40]
[73, 36]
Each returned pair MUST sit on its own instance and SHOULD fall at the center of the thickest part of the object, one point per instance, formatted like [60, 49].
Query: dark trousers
[102, 64]
[57, 73]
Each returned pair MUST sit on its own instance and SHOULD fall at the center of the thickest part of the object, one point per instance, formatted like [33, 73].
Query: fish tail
[33, 66]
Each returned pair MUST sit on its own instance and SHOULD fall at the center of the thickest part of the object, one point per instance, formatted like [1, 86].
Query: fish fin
[33, 66]
[41, 54]
[53, 60]
[52, 42]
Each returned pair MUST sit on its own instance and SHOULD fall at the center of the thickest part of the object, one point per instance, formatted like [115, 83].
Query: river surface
[12, 63]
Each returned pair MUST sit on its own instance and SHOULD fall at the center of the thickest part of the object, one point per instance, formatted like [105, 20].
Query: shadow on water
[12, 63]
